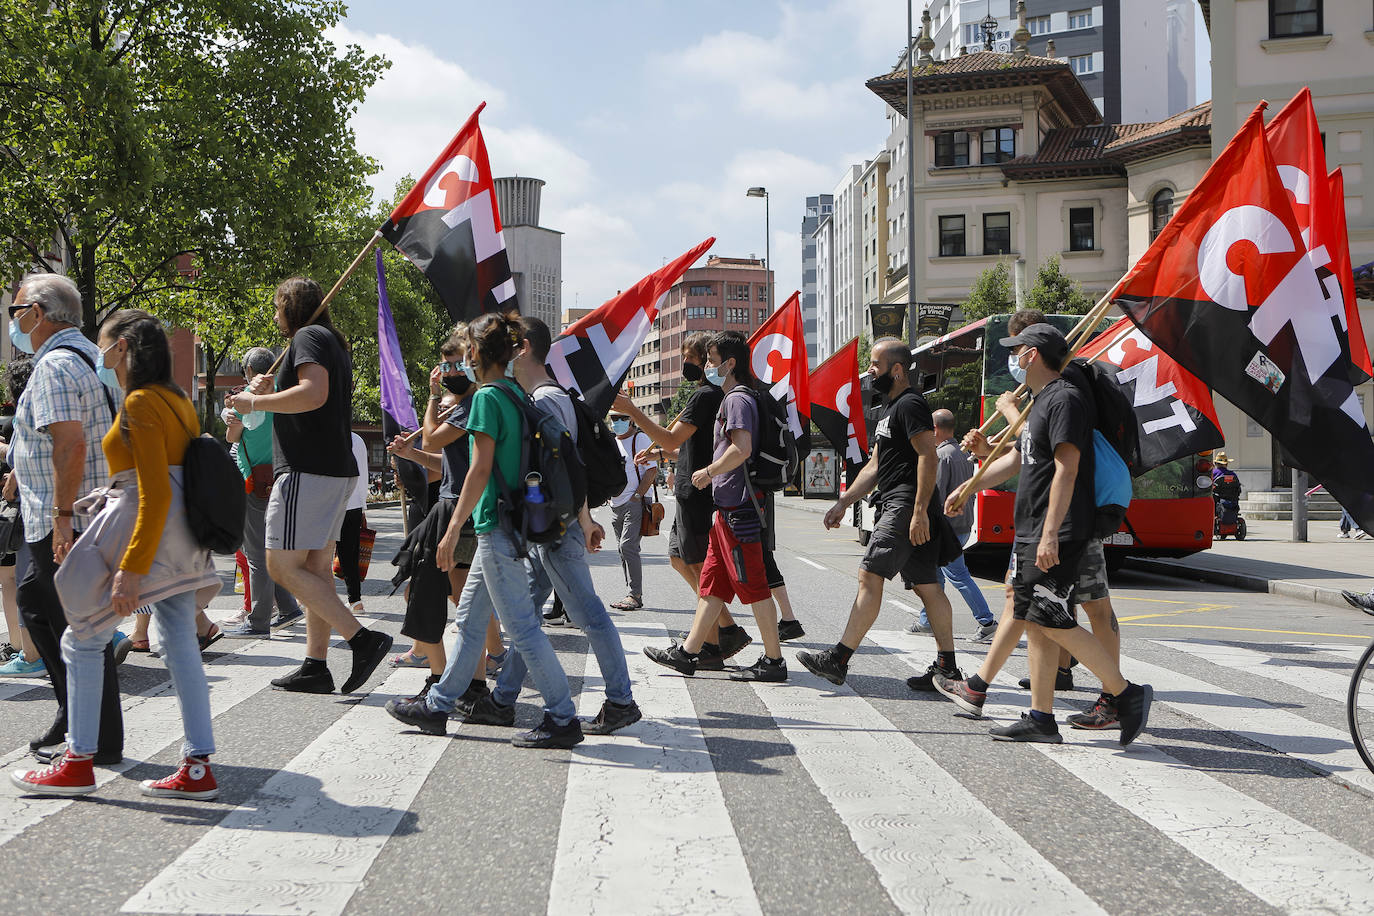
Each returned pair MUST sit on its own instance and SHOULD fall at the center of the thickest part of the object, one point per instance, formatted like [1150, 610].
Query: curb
[1282, 587]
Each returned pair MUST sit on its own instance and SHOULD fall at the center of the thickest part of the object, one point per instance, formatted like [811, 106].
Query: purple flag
[398, 410]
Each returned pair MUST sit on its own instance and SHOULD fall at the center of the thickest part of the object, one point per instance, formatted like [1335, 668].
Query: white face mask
[1014, 367]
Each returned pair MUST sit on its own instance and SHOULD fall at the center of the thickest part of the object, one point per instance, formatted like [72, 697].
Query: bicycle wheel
[1359, 707]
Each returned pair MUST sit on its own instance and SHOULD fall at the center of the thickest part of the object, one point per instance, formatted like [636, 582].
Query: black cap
[1044, 337]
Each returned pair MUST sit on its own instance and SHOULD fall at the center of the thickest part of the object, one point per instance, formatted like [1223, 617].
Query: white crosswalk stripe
[1295, 672]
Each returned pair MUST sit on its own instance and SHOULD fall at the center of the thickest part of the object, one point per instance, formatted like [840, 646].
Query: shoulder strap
[109, 399]
[172, 408]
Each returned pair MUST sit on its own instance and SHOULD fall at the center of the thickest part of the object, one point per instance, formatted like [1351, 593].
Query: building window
[996, 233]
[1292, 18]
[1081, 229]
[701, 311]
[951, 148]
[999, 144]
[1081, 64]
[763, 315]
[1038, 25]
[737, 292]
[951, 236]
[762, 293]
[1161, 209]
[1081, 19]
[736, 316]
[704, 289]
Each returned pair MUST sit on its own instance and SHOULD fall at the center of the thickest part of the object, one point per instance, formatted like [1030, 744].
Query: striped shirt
[63, 388]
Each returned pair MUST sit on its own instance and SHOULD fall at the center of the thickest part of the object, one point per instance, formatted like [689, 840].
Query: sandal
[139, 645]
[628, 603]
[408, 659]
[211, 636]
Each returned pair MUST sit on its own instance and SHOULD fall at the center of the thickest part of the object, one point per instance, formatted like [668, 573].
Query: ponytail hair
[494, 338]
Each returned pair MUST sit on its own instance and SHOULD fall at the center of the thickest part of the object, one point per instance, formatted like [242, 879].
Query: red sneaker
[192, 780]
[71, 775]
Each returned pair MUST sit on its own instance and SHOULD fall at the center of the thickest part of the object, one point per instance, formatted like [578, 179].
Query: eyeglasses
[18, 307]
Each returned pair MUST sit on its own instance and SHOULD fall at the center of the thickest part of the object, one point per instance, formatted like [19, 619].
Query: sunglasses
[18, 307]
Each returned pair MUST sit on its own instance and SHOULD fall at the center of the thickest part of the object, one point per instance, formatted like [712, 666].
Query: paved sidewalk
[1266, 561]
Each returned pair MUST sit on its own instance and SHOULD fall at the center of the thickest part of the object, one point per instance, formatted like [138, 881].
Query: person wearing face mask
[56, 455]
[911, 536]
[629, 506]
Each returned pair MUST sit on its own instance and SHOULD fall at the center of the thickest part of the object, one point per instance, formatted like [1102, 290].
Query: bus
[1171, 511]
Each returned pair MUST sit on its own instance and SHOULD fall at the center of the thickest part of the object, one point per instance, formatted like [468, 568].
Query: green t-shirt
[494, 414]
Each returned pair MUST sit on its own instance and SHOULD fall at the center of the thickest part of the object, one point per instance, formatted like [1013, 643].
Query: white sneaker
[1343, 534]
[357, 607]
[1359, 534]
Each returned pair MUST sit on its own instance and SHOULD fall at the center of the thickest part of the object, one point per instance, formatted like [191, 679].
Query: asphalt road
[1244, 795]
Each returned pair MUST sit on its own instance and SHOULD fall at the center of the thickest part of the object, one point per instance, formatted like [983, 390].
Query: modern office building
[844, 315]
[817, 208]
[873, 232]
[535, 252]
[824, 238]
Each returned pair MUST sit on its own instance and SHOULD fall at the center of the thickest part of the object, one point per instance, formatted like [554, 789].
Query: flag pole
[324, 303]
[1004, 441]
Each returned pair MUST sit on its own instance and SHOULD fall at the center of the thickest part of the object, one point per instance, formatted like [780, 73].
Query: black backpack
[546, 449]
[215, 498]
[775, 457]
[596, 446]
[1116, 418]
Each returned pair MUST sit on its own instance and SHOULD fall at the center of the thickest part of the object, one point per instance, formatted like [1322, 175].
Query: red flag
[837, 403]
[779, 361]
[450, 227]
[1339, 247]
[1295, 140]
[594, 355]
[1228, 291]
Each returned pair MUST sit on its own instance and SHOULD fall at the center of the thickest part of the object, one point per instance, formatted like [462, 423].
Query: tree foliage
[1056, 293]
[991, 293]
[171, 149]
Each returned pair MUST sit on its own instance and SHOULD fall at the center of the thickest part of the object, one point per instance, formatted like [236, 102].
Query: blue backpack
[1111, 486]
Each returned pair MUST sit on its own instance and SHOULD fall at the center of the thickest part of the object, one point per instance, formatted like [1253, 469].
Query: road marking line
[903, 605]
[1200, 609]
[336, 804]
[810, 562]
[1321, 682]
[1205, 626]
[644, 824]
[1265, 851]
[887, 792]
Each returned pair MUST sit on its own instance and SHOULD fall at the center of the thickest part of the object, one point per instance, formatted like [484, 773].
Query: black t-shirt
[1060, 413]
[455, 466]
[319, 441]
[695, 453]
[905, 417]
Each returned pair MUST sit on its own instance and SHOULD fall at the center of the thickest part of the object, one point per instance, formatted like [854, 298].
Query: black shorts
[691, 529]
[890, 550]
[1046, 598]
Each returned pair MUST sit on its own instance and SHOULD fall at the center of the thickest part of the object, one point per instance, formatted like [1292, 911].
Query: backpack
[596, 446]
[1116, 445]
[540, 512]
[775, 458]
[215, 498]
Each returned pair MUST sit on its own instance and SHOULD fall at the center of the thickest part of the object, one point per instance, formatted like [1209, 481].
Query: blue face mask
[468, 371]
[510, 369]
[103, 372]
[713, 375]
[621, 427]
[1014, 367]
[21, 340]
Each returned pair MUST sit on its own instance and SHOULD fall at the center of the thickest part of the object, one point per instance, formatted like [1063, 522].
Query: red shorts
[733, 570]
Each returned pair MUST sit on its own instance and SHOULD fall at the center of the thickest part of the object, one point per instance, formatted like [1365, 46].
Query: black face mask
[883, 383]
[692, 372]
[457, 384]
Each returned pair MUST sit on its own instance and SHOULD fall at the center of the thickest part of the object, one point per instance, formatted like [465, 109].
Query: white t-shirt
[359, 498]
[629, 447]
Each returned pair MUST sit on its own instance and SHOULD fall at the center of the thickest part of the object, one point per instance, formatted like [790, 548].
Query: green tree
[991, 293]
[1056, 293]
[166, 148]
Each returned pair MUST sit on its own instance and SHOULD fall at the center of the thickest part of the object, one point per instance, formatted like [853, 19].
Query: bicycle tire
[1362, 720]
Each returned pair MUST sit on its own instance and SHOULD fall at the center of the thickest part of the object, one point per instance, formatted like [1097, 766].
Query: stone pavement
[1266, 561]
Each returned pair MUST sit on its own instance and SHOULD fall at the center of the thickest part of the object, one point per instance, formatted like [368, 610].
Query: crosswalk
[923, 810]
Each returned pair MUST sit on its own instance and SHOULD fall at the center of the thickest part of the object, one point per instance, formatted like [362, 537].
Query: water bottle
[533, 492]
[253, 419]
[536, 511]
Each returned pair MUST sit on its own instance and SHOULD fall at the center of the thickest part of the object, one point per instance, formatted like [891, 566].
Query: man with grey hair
[57, 457]
[252, 449]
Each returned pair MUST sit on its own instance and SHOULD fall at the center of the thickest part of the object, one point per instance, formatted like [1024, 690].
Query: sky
[647, 120]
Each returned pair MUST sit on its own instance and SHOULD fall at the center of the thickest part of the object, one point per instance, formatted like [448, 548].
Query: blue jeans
[563, 566]
[1347, 522]
[176, 620]
[498, 583]
[963, 582]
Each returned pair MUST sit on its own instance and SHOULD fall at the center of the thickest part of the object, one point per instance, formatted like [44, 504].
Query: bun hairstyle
[299, 297]
[456, 344]
[149, 358]
[494, 338]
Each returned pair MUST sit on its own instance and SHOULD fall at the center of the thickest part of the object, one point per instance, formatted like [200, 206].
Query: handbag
[260, 480]
[651, 514]
[367, 539]
[11, 528]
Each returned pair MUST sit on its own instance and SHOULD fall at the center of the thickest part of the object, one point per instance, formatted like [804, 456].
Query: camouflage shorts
[1092, 574]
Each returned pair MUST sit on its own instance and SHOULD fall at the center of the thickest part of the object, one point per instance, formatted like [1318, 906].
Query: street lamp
[767, 231]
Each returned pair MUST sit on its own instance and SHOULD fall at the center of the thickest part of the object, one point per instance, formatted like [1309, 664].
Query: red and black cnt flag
[837, 403]
[449, 227]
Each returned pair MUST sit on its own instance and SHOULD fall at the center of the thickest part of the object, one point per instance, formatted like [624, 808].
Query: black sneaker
[100, 758]
[487, 711]
[1101, 716]
[1063, 680]
[419, 715]
[556, 618]
[733, 640]
[551, 735]
[1028, 730]
[299, 681]
[55, 735]
[790, 629]
[673, 658]
[1362, 602]
[612, 717]
[926, 682]
[710, 659]
[765, 670]
[1133, 710]
[366, 658]
[463, 705]
[286, 620]
[424, 691]
[7, 652]
[824, 663]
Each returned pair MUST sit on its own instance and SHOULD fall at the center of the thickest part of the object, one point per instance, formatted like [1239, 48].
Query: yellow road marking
[1192, 610]
[1202, 626]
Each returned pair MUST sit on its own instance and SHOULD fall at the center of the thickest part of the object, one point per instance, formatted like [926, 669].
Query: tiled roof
[1105, 149]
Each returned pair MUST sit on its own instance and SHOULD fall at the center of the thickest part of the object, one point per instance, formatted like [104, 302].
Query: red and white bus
[965, 371]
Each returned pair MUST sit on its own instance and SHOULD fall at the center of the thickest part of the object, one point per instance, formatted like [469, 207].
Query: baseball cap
[1044, 337]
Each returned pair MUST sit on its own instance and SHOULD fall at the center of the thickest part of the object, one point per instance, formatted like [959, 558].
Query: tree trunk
[212, 360]
[85, 281]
